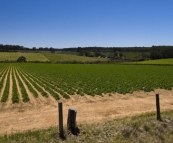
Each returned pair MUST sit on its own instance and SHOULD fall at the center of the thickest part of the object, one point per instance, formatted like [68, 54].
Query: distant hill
[30, 57]
[54, 58]
[47, 57]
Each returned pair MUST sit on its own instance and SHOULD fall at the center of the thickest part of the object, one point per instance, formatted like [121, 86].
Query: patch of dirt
[22, 117]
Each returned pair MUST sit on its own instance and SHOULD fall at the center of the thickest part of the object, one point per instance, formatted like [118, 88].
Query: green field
[13, 56]
[97, 79]
[65, 80]
[158, 62]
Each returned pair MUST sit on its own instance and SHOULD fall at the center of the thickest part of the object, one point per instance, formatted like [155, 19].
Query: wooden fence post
[158, 107]
[71, 121]
[60, 111]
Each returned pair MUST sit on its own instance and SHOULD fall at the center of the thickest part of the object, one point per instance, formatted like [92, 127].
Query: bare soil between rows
[30, 116]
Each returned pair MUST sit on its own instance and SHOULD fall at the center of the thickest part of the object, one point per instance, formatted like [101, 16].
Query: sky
[84, 23]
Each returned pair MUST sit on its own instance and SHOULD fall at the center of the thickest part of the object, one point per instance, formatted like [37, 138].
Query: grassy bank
[141, 128]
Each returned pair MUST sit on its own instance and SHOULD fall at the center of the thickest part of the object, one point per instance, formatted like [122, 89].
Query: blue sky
[73, 23]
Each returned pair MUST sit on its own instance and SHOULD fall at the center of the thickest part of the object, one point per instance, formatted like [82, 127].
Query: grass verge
[141, 128]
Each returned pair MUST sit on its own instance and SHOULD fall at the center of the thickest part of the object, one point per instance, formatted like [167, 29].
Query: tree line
[155, 52]
[160, 52]
[13, 48]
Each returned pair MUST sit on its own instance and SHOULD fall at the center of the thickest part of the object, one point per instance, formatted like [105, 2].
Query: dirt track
[29, 116]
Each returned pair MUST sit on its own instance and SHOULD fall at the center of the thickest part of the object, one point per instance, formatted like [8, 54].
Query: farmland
[46, 57]
[64, 81]
[29, 93]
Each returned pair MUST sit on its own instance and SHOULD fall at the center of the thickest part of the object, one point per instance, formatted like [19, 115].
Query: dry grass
[141, 129]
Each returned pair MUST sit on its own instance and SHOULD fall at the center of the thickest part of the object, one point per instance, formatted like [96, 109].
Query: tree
[78, 49]
[81, 51]
[87, 53]
[21, 59]
[97, 53]
[121, 55]
[116, 54]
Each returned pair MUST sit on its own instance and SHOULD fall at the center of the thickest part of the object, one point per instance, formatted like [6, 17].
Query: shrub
[21, 59]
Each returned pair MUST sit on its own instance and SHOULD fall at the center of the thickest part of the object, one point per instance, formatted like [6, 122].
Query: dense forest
[154, 52]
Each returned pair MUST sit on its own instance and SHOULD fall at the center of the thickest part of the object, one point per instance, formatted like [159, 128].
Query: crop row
[22, 88]
[7, 88]
[22, 81]
[15, 93]
[3, 74]
[29, 84]
[34, 83]
[58, 86]
[47, 85]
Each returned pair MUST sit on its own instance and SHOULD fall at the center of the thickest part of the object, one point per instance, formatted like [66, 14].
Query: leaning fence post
[60, 113]
[158, 107]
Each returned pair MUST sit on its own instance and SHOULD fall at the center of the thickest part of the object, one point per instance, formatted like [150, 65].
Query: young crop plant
[29, 85]
[52, 92]
[1, 72]
[34, 83]
[79, 91]
[15, 94]
[22, 88]
[3, 75]
[7, 88]
[49, 86]
[58, 83]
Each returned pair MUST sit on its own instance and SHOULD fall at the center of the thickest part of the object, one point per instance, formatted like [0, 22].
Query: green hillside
[13, 56]
[53, 57]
